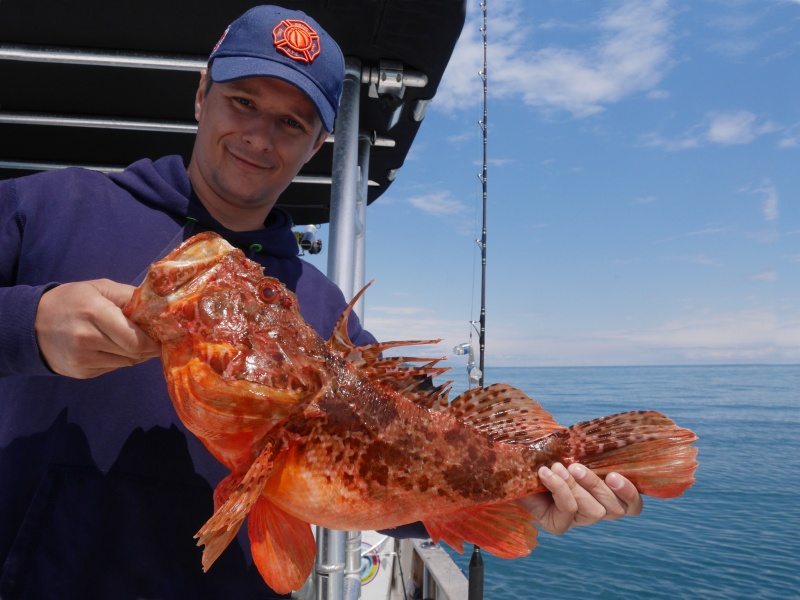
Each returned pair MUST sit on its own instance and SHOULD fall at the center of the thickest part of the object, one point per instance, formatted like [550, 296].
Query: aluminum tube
[23, 165]
[360, 252]
[101, 59]
[352, 566]
[377, 140]
[19, 118]
[329, 567]
[331, 543]
[341, 247]
[52, 166]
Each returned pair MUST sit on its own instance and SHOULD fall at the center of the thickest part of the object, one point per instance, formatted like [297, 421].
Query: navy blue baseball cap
[271, 41]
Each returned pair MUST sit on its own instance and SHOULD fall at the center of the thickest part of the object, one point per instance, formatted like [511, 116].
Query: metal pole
[329, 568]
[330, 562]
[352, 568]
[99, 58]
[344, 191]
[360, 262]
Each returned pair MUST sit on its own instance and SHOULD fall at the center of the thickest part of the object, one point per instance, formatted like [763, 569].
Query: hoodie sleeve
[19, 352]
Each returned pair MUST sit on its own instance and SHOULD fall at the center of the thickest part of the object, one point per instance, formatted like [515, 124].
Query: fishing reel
[473, 372]
[307, 240]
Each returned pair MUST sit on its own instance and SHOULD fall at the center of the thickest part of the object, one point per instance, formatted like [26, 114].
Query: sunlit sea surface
[734, 534]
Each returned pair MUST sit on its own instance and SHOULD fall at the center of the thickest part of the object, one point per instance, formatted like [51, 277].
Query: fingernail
[578, 471]
[561, 471]
[614, 481]
[545, 473]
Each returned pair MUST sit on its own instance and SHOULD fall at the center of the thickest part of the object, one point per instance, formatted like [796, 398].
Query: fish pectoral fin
[283, 546]
[505, 529]
[230, 511]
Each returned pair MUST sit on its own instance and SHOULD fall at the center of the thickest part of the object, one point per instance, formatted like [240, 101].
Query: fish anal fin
[233, 499]
[283, 546]
[505, 529]
[504, 414]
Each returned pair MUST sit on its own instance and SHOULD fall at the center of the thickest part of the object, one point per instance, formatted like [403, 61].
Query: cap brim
[225, 69]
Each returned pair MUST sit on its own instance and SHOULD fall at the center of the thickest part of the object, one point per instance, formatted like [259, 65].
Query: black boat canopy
[101, 84]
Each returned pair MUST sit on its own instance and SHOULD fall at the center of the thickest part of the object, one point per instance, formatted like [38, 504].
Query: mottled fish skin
[339, 436]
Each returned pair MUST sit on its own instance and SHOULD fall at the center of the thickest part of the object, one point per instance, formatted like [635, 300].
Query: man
[101, 488]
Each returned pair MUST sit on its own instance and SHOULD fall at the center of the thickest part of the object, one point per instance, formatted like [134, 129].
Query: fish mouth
[191, 262]
[179, 274]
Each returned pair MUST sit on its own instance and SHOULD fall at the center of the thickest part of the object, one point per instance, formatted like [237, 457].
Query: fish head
[247, 325]
[161, 305]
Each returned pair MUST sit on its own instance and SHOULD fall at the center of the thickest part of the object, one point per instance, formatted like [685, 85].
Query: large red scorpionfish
[341, 436]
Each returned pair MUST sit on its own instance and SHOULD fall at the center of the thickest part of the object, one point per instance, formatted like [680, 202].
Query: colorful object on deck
[340, 436]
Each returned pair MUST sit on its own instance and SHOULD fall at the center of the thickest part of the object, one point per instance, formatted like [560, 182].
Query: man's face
[253, 137]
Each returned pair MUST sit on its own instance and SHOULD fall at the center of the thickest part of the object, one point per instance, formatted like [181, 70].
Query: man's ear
[200, 95]
[322, 137]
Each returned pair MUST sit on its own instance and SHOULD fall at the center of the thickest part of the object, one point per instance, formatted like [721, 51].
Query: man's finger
[627, 493]
[599, 494]
[128, 340]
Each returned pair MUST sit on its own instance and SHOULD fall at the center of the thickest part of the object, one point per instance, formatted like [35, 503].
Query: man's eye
[243, 101]
[292, 123]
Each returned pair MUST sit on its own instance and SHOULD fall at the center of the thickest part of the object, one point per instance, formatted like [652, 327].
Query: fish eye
[268, 293]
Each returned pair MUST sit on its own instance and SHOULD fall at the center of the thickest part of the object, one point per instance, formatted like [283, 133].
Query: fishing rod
[476, 560]
[484, 179]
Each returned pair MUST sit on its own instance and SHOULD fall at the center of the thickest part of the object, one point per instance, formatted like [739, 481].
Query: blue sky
[644, 189]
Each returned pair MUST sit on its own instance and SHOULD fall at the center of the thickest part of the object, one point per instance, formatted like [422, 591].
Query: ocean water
[734, 534]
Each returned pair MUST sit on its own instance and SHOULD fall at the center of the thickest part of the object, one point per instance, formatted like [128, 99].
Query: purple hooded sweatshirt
[101, 486]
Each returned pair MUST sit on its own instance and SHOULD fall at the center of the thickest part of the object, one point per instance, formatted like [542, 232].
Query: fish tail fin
[646, 447]
[283, 546]
[504, 529]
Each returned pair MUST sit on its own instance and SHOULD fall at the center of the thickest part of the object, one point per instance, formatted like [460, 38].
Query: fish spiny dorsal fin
[340, 339]
[413, 382]
[504, 414]
[371, 354]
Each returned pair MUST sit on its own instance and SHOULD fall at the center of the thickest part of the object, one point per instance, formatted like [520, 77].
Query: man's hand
[82, 332]
[579, 497]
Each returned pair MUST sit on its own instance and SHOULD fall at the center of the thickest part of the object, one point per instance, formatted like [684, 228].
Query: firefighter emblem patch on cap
[222, 37]
[297, 40]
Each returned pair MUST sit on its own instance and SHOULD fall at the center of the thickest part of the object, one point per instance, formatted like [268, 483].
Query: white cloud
[768, 194]
[629, 53]
[703, 260]
[764, 277]
[721, 128]
[757, 335]
[707, 231]
[439, 204]
[791, 135]
[737, 127]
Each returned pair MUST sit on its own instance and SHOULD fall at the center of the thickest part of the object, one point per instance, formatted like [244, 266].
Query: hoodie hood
[164, 185]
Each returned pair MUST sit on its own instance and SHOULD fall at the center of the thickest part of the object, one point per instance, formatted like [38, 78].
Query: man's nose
[260, 135]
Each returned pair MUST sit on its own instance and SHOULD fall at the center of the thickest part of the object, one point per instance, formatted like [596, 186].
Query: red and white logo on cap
[297, 40]
[224, 33]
